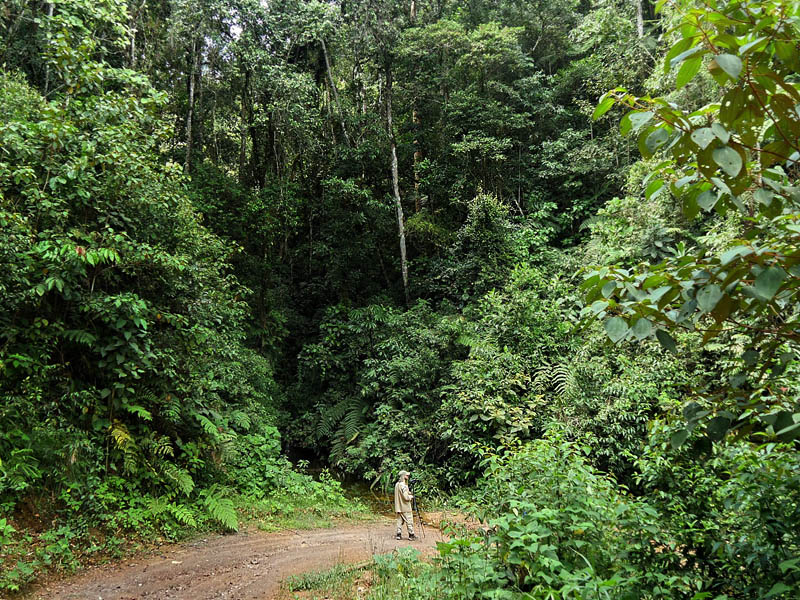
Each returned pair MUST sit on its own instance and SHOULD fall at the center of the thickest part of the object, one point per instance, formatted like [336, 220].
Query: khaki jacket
[402, 497]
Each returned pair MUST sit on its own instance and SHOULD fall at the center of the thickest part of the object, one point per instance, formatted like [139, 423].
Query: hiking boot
[412, 537]
[398, 537]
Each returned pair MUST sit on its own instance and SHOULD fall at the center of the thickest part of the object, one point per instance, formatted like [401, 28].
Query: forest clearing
[534, 263]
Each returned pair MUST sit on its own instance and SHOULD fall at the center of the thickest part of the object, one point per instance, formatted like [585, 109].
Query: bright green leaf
[688, 70]
[605, 105]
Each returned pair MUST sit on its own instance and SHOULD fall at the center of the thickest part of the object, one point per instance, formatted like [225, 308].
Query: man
[402, 506]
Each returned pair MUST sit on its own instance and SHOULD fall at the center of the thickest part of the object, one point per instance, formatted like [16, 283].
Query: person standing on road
[402, 506]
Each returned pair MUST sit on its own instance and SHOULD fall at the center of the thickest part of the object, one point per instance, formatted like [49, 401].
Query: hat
[402, 473]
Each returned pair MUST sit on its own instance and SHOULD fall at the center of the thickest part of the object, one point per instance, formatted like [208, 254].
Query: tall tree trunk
[50, 6]
[639, 17]
[136, 12]
[190, 112]
[417, 124]
[244, 128]
[132, 54]
[199, 130]
[214, 146]
[334, 93]
[401, 231]
[417, 157]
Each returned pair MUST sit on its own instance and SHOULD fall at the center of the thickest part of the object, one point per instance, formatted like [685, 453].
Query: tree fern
[354, 411]
[353, 419]
[329, 417]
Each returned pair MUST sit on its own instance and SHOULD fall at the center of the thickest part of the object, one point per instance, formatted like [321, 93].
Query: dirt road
[245, 566]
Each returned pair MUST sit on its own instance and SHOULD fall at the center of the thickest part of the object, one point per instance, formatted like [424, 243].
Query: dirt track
[245, 566]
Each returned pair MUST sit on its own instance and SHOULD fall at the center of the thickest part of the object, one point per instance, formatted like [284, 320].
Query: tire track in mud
[245, 566]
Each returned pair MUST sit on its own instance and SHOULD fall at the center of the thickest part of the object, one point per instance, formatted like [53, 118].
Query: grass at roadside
[282, 512]
[383, 578]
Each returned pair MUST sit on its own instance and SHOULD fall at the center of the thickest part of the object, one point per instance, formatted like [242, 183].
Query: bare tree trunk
[132, 56]
[215, 144]
[334, 93]
[396, 186]
[136, 12]
[244, 128]
[417, 158]
[50, 6]
[199, 131]
[417, 124]
[639, 18]
[190, 112]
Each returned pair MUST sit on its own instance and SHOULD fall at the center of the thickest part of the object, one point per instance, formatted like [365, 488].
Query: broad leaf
[731, 64]
[720, 132]
[616, 328]
[768, 282]
[605, 105]
[678, 438]
[666, 341]
[708, 297]
[717, 428]
[703, 136]
[729, 160]
[707, 200]
[688, 70]
[642, 328]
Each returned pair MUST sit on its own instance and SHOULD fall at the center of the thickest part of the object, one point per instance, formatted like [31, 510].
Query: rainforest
[259, 256]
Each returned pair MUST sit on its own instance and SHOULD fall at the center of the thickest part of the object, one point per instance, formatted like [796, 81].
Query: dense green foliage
[378, 235]
[561, 529]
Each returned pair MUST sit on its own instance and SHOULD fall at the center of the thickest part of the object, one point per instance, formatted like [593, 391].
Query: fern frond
[220, 508]
[182, 480]
[354, 419]
[226, 446]
[171, 409]
[329, 418]
[208, 426]
[120, 434]
[559, 379]
[125, 443]
[157, 506]
[183, 514]
[241, 419]
[162, 446]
